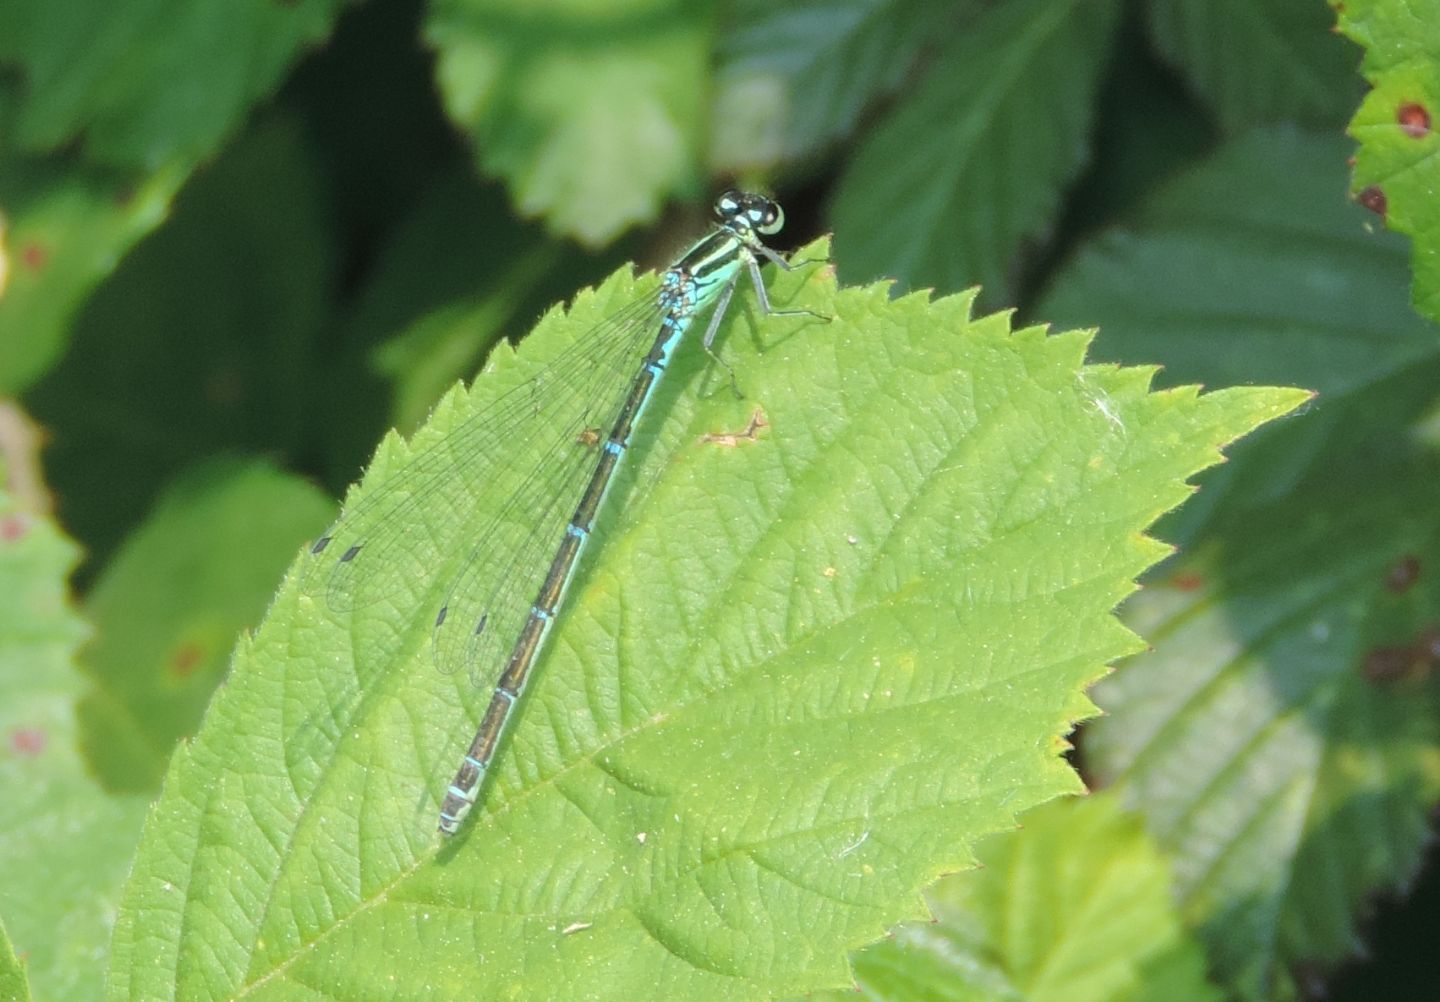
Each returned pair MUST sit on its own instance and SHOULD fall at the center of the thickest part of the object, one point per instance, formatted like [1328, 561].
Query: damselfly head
[747, 210]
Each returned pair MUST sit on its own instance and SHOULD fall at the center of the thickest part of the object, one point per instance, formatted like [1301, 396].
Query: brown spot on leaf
[1429, 644]
[1391, 664]
[185, 660]
[1373, 199]
[1187, 581]
[1403, 574]
[34, 256]
[1387, 664]
[1414, 120]
[27, 741]
[13, 527]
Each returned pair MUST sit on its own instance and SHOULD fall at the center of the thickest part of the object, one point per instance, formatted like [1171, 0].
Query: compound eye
[771, 220]
[728, 204]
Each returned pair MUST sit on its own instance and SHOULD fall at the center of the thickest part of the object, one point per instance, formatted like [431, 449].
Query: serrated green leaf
[1254, 62]
[168, 606]
[946, 191]
[65, 844]
[1074, 906]
[1278, 738]
[795, 77]
[203, 340]
[13, 984]
[1253, 266]
[63, 227]
[1397, 168]
[739, 757]
[143, 84]
[590, 114]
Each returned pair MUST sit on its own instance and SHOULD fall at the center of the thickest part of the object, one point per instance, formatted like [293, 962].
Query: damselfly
[511, 585]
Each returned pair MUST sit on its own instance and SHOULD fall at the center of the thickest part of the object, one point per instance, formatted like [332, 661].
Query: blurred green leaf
[140, 85]
[766, 658]
[591, 114]
[1074, 906]
[795, 77]
[1259, 61]
[456, 275]
[1148, 128]
[114, 106]
[63, 228]
[946, 192]
[447, 247]
[1289, 782]
[203, 341]
[167, 609]
[13, 983]
[1281, 738]
[1397, 168]
[65, 845]
[430, 355]
[1253, 266]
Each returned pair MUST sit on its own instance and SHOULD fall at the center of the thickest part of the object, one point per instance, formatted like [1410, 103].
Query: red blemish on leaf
[1391, 664]
[1429, 645]
[1187, 581]
[185, 660]
[34, 256]
[1373, 199]
[13, 527]
[1388, 664]
[1414, 120]
[27, 741]
[1403, 574]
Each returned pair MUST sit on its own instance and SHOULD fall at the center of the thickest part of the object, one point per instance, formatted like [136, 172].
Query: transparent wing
[498, 490]
[491, 597]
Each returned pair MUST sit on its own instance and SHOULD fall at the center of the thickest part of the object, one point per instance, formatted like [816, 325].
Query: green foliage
[65, 846]
[613, 89]
[1274, 731]
[795, 77]
[239, 242]
[924, 199]
[106, 75]
[1287, 686]
[1313, 297]
[138, 401]
[1074, 906]
[13, 984]
[1397, 169]
[66, 227]
[118, 105]
[168, 606]
[1254, 62]
[755, 636]
[447, 286]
